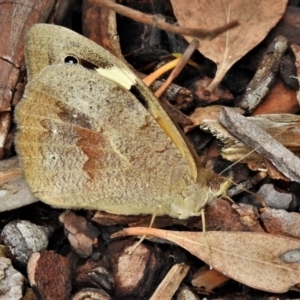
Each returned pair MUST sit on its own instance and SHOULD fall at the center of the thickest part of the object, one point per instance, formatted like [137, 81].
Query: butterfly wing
[85, 142]
[50, 45]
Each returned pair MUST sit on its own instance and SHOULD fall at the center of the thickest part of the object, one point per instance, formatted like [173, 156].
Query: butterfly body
[85, 141]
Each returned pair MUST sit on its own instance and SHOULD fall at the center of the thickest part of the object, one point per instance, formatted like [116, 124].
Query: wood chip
[171, 282]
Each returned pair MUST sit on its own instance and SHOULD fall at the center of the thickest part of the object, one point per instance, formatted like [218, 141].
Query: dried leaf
[288, 101]
[209, 279]
[263, 143]
[260, 260]
[284, 127]
[256, 19]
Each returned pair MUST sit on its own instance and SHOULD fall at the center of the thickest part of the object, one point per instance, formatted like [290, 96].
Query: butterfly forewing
[51, 45]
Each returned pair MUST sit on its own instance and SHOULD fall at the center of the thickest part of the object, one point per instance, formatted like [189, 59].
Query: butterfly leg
[202, 211]
[144, 236]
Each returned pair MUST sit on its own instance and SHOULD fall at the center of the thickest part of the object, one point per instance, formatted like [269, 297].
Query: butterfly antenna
[239, 160]
[249, 153]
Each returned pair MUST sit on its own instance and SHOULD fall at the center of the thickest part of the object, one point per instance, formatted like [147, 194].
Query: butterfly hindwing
[86, 142]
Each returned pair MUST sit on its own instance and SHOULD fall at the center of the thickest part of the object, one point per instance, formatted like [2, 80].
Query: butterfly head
[219, 185]
[193, 199]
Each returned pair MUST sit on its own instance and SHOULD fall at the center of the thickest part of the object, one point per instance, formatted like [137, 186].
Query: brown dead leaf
[256, 19]
[278, 101]
[209, 279]
[263, 261]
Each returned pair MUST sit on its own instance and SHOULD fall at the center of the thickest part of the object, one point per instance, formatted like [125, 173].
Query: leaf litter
[262, 261]
[256, 19]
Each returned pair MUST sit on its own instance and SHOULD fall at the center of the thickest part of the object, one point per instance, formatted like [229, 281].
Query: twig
[159, 21]
[178, 68]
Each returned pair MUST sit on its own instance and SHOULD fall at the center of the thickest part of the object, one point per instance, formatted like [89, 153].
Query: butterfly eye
[71, 60]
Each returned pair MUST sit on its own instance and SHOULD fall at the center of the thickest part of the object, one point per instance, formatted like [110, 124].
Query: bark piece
[5, 123]
[10, 170]
[265, 75]
[89, 293]
[220, 215]
[248, 216]
[186, 293]
[104, 35]
[14, 191]
[136, 274]
[15, 19]
[107, 219]
[50, 275]
[28, 12]
[22, 238]
[179, 96]
[12, 282]
[81, 234]
[94, 274]
[171, 282]
[61, 10]
[15, 194]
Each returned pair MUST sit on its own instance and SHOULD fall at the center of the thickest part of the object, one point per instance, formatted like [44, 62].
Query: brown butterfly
[91, 135]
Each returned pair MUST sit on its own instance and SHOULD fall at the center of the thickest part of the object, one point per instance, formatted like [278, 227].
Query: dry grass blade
[256, 19]
[260, 260]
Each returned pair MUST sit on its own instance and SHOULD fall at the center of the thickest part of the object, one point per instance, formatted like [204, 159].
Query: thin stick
[159, 21]
[178, 68]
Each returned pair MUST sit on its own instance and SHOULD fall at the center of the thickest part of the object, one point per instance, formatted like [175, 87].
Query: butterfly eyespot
[70, 59]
